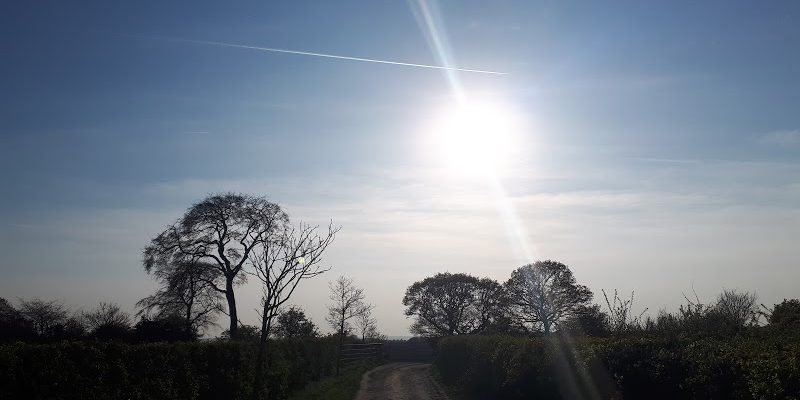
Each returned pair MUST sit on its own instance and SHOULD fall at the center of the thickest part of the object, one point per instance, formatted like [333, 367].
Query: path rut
[400, 381]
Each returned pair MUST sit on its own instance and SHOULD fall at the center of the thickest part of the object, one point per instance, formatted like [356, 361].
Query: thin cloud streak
[308, 53]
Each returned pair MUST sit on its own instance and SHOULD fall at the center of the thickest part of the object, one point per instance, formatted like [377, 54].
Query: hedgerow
[500, 367]
[189, 370]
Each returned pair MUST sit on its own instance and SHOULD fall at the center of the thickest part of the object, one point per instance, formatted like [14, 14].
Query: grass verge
[342, 387]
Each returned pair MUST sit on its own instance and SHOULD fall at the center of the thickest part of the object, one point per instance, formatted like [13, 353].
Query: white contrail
[308, 53]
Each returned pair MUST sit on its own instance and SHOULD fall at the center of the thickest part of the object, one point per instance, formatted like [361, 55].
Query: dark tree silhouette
[160, 328]
[738, 308]
[45, 316]
[366, 324]
[108, 321]
[588, 321]
[294, 323]
[453, 304]
[281, 263]
[620, 313]
[13, 326]
[223, 231]
[786, 314]
[247, 333]
[541, 295]
[347, 304]
[187, 291]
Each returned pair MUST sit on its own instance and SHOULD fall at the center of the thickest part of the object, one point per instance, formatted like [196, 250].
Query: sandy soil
[400, 381]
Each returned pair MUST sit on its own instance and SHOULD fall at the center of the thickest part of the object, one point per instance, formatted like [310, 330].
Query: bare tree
[620, 317]
[223, 230]
[366, 324]
[43, 315]
[186, 291]
[543, 294]
[108, 321]
[289, 257]
[374, 334]
[347, 304]
[740, 308]
[13, 325]
[107, 314]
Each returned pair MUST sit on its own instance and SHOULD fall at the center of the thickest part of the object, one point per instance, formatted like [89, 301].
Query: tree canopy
[294, 323]
[222, 232]
[543, 294]
[453, 304]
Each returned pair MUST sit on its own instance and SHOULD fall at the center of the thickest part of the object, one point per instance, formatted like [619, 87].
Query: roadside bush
[211, 370]
[615, 368]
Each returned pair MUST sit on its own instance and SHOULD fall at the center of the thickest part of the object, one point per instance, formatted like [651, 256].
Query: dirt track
[400, 381]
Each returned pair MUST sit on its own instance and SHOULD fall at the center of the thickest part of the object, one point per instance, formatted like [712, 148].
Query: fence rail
[360, 351]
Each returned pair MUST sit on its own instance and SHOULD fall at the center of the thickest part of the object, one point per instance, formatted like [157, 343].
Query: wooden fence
[351, 352]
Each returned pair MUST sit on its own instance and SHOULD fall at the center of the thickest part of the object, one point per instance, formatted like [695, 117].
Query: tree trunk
[341, 342]
[234, 327]
[263, 353]
[188, 322]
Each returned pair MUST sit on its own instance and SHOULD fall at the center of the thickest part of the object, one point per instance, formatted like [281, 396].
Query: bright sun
[475, 138]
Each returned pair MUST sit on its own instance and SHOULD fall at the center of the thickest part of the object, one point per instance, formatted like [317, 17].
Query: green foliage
[543, 295]
[342, 387]
[733, 314]
[454, 304]
[786, 315]
[247, 333]
[294, 323]
[501, 367]
[212, 370]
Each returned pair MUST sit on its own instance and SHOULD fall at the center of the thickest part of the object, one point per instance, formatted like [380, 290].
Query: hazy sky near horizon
[658, 147]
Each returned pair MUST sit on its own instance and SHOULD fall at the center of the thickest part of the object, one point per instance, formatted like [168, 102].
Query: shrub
[210, 370]
[631, 367]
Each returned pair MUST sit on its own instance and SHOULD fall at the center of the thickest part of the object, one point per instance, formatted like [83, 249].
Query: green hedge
[484, 367]
[214, 370]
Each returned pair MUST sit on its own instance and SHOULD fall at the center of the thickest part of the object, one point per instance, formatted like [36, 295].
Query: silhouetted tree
[731, 314]
[738, 308]
[186, 290]
[108, 321]
[587, 320]
[347, 304]
[366, 324]
[247, 333]
[13, 325]
[223, 230]
[786, 314]
[45, 316]
[620, 314]
[453, 304]
[372, 333]
[161, 328]
[74, 328]
[281, 263]
[541, 295]
[293, 323]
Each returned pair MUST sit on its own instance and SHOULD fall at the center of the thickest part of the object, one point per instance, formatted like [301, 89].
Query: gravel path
[400, 381]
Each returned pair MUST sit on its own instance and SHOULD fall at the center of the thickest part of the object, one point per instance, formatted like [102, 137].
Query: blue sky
[660, 148]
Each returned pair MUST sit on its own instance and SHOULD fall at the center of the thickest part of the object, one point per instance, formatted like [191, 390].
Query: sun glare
[475, 138]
